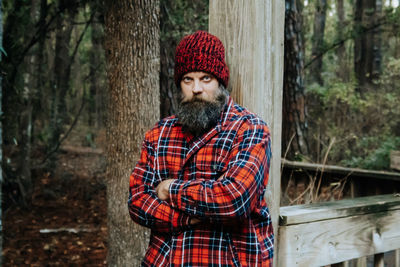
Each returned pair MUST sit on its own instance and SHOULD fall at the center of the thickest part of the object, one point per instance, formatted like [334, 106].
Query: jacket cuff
[179, 220]
[175, 193]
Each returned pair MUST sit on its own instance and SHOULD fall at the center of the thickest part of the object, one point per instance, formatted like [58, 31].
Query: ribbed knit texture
[201, 51]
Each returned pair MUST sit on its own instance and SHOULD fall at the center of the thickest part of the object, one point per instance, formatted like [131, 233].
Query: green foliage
[338, 93]
[180, 17]
[89, 138]
[377, 150]
[366, 126]
[361, 123]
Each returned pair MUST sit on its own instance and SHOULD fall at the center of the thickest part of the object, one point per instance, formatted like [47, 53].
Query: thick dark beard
[197, 116]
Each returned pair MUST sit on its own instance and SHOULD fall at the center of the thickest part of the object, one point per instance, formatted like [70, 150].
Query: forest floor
[66, 225]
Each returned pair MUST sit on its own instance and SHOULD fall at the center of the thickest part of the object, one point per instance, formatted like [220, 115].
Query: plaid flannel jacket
[221, 179]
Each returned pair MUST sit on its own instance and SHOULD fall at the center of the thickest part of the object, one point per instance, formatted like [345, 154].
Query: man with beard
[200, 181]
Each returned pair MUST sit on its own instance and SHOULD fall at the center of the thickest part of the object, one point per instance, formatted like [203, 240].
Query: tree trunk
[294, 126]
[20, 87]
[367, 44]
[96, 89]
[132, 44]
[25, 124]
[62, 69]
[343, 70]
[318, 40]
[11, 101]
[377, 50]
[40, 104]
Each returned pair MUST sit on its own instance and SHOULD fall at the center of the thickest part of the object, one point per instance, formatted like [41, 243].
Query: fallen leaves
[73, 210]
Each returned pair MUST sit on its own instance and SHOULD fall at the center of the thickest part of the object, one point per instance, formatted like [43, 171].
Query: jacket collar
[226, 115]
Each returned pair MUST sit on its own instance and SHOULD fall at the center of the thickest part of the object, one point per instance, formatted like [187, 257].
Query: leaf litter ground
[66, 224]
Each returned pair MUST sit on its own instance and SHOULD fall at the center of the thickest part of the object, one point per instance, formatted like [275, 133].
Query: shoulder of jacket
[153, 134]
[249, 119]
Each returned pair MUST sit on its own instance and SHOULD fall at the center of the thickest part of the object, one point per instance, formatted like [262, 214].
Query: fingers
[162, 189]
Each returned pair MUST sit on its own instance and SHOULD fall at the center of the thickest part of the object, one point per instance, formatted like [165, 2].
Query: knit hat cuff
[190, 62]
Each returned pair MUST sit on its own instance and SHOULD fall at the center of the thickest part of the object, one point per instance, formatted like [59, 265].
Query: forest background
[341, 83]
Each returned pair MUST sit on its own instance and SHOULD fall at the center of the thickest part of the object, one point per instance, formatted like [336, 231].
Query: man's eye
[206, 78]
[186, 79]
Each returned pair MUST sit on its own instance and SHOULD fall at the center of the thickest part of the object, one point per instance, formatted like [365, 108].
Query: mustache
[196, 99]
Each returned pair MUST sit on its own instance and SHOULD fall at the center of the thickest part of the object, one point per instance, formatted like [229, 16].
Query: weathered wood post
[252, 32]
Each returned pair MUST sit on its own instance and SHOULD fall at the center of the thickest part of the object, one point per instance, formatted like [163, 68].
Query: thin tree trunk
[39, 104]
[343, 69]
[96, 90]
[62, 70]
[294, 127]
[367, 44]
[11, 96]
[25, 124]
[318, 40]
[377, 60]
[132, 42]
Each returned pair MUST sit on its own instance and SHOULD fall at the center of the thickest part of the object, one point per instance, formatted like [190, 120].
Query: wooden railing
[332, 232]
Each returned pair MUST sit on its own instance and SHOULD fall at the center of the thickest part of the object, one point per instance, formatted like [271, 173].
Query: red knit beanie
[201, 51]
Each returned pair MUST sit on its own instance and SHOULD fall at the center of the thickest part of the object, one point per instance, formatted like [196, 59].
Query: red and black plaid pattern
[221, 179]
[201, 51]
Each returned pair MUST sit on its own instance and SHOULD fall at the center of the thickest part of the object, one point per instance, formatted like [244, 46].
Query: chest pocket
[211, 161]
[168, 159]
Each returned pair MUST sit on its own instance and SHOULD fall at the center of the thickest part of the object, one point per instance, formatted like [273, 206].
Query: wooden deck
[332, 232]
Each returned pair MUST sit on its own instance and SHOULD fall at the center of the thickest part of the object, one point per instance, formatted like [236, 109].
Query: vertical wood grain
[252, 33]
[378, 260]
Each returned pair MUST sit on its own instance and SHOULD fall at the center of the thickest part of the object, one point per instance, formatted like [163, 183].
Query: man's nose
[197, 87]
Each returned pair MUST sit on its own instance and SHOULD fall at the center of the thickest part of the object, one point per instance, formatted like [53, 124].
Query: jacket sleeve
[145, 208]
[236, 193]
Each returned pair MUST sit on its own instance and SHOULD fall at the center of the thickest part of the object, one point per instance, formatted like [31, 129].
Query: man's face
[199, 85]
[202, 100]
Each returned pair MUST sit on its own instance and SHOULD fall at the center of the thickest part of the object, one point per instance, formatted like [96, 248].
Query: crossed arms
[173, 204]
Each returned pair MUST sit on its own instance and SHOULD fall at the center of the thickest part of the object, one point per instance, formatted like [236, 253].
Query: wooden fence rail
[331, 232]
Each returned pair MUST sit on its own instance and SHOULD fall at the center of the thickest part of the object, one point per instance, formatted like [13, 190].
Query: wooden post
[361, 262]
[378, 260]
[252, 32]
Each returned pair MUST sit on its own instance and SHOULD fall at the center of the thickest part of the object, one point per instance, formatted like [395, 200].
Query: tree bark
[343, 70]
[318, 40]
[11, 98]
[367, 44]
[40, 104]
[62, 70]
[96, 89]
[132, 43]
[26, 122]
[294, 126]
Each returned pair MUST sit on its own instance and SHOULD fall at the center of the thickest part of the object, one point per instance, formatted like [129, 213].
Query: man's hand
[194, 221]
[162, 189]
